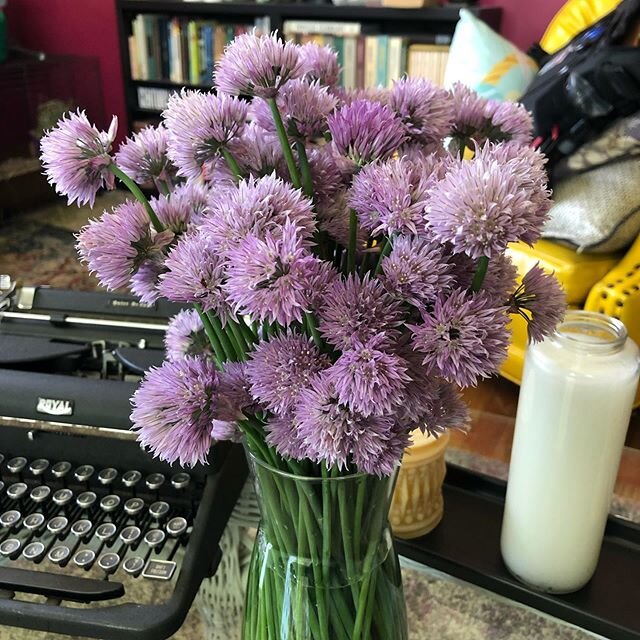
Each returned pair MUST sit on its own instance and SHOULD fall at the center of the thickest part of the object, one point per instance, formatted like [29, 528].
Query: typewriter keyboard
[98, 522]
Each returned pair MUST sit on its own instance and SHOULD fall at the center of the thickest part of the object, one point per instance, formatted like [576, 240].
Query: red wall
[88, 27]
[74, 27]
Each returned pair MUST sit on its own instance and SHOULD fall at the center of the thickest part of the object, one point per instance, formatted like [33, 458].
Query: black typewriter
[97, 538]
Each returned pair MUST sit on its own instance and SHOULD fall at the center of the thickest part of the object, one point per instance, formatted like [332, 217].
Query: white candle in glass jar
[573, 413]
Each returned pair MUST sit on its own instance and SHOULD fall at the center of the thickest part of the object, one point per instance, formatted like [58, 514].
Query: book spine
[164, 37]
[152, 47]
[349, 69]
[203, 28]
[394, 62]
[134, 65]
[230, 34]
[382, 60]
[140, 35]
[219, 42]
[184, 49]
[338, 46]
[306, 27]
[360, 62]
[175, 52]
[194, 53]
[371, 61]
[206, 67]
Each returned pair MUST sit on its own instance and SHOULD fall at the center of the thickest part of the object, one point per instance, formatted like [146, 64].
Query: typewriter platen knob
[131, 478]
[107, 476]
[180, 480]
[16, 465]
[176, 526]
[110, 503]
[17, 490]
[39, 466]
[61, 469]
[86, 499]
[84, 472]
[62, 497]
[154, 481]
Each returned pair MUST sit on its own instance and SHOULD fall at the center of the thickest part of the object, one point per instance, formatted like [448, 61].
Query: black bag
[586, 86]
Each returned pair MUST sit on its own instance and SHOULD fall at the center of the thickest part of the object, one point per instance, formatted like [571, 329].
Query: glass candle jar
[573, 413]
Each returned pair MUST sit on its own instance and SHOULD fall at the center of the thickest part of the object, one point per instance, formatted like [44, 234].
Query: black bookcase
[428, 21]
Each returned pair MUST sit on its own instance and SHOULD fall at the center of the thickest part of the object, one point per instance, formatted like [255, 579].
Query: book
[371, 61]
[349, 76]
[427, 61]
[382, 60]
[153, 46]
[175, 49]
[219, 42]
[164, 39]
[194, 52]
[395, 61]
[141, 47]
[134, 65]
[360, 62]
[306, 27]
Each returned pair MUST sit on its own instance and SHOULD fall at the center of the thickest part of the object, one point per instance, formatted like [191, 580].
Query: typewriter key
[33, 550]
[40, 494]
[10, 518]
[10, 547]
[154, 481]
[155, 537]
[17, 490]
[159, 510]
[131, 478]
[110, 503]
[16, 465]
[60, 469]
[176, 526]
[107, 476]
[84, 558]
[81, 527]
[39, 466]
[109, 562]
[1, 486]
[180, 480]
[133, 506]
[133, 565]
[33, 522]
[59, 554]
[1, 458]
[106, 531]
[130, 534]
[57, 525]
[86, 499]
[62, 497]
[84, 472]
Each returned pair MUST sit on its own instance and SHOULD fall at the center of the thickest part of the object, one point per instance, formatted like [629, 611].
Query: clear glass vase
[324, 566]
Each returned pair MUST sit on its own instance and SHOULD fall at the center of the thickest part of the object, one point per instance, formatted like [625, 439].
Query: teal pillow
[485, 61]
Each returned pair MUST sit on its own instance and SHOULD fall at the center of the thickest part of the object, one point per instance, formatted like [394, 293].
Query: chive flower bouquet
[343, 256]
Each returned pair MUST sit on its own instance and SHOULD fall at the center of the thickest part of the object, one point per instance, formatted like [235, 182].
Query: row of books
[181, 50]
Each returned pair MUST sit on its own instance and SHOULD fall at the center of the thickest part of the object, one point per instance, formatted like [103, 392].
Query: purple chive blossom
[372, 94]
[279, 369]
[358, 309]
[527, 167]
[425, 109]
[233, 399]
[365, 131]
[541, 301]
[268, 277]
[325, 173]
[369, 379]
[144, 282]
[75, 157]
[391, 196]
[447, 410]
[173, 213]
[200, 125]
[195, 197]
[319, 63]
[255, 65]
[333, 217]
[477, 120]
[195, 273]
[479, 207]
[416, 270]
[173, 410]
[500, 279]
[304, 108]
[284, 437]
[255, 206]
[332, 433]
[118, 243]
[185, 336]
[464, 338]
[143, 157]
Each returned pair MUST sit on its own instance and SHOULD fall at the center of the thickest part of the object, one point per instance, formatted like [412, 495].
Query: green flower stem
[213, 339]
[223, 339]
[347, 542]
[312, 329]
[138, 195]
[162, 187]
[481, 271]
[305, 169]
[353, 239]
[239, 339]
[386, 250]
[284, 143]
[233, 163]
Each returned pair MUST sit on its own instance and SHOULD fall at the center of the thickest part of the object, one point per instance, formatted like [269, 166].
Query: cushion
[485, 61]
[597, 203]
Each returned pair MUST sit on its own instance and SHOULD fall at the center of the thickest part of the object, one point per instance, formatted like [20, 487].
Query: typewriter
[97, 538]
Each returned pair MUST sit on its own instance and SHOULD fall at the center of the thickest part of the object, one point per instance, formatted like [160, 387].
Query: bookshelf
[419, 25]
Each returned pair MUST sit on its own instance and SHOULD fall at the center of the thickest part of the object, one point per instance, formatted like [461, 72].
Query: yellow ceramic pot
[417, 504]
